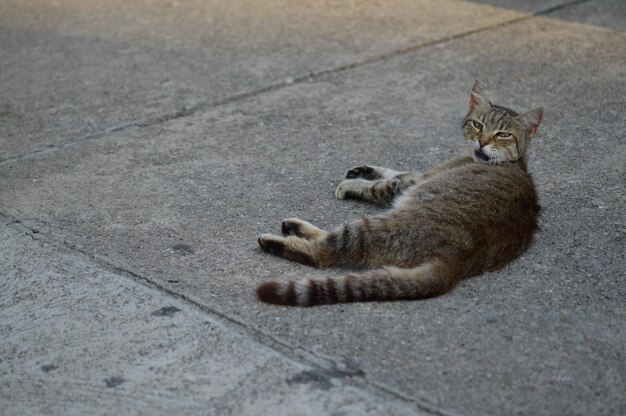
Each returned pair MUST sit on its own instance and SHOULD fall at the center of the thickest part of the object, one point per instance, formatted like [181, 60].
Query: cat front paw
[363, 172]
[349, 189]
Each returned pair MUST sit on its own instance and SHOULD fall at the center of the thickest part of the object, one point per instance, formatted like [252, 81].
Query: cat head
[498, 134]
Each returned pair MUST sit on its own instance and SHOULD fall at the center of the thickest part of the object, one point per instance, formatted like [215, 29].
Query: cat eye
[477, 125]
[503, 134]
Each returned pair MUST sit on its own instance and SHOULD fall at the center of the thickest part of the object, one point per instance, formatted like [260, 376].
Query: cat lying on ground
[466, 216]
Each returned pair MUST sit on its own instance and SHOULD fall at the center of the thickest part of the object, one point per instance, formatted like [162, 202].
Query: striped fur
[386, 284]
[461, 218]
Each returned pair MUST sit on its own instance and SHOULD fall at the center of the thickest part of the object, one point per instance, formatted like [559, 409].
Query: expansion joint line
[328, 366]
[299, 354]
[185, 112]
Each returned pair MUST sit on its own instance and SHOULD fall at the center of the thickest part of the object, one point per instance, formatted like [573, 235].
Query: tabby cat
[464, 217]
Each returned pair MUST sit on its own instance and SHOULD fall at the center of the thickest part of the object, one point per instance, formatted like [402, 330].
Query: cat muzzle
[481, 155]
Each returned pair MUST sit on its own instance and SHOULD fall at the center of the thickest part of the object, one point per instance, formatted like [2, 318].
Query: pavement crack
[560, 7]
[185, 112]
[342, 371]
[324, 367]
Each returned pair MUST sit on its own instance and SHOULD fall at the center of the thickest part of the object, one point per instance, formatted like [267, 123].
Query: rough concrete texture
[74, 68]
[178, 201]
[79, 340]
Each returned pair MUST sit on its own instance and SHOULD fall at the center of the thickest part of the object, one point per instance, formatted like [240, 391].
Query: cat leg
[301, 242]
[355, 243]
[302, 229]
[370, 173]
[291, 248]
[381, 191]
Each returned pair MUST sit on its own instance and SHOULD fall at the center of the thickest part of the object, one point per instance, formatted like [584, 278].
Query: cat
[469, 215]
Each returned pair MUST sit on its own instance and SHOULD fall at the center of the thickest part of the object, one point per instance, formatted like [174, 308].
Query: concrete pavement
[78, 339]
[148, 145]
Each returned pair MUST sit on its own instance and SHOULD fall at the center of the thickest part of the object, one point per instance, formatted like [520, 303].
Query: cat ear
[478, 98]
[531, 120]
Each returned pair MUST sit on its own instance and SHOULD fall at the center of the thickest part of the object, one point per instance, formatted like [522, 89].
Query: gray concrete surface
[147, 194]
[76, 68]
[79, 340]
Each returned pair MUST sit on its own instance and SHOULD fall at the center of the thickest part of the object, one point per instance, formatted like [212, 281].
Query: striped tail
[389, 283]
